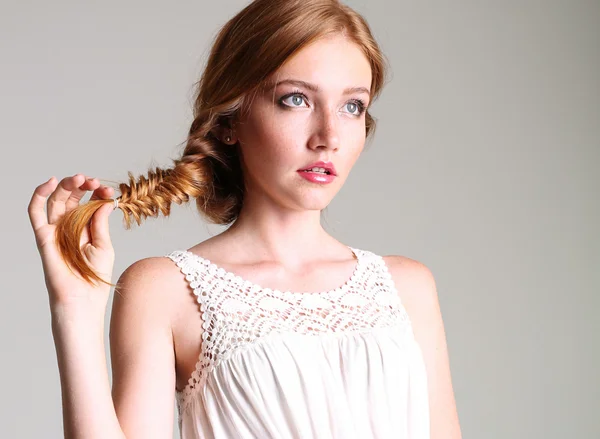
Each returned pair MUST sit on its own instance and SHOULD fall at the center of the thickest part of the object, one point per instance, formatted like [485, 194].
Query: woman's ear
[225, 134]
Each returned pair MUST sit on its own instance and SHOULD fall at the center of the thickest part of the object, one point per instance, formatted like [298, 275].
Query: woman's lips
[317, 177]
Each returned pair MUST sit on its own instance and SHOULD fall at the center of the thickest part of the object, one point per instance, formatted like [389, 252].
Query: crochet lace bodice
[241, 320]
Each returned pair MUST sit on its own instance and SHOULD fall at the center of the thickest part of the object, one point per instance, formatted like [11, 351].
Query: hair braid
[249, 48]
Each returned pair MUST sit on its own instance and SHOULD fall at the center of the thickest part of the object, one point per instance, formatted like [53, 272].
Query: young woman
[273, 328]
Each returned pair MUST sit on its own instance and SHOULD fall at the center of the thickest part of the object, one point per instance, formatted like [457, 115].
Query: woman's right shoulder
[152, 270]
[154, 280]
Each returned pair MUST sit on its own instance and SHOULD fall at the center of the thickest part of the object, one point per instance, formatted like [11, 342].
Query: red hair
[249, 48]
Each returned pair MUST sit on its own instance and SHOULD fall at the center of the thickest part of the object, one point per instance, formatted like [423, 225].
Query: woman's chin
[315, 204]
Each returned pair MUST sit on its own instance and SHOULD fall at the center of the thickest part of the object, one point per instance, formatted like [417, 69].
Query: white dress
[278, 364]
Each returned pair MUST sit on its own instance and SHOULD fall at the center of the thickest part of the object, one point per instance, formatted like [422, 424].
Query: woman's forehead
[336, 65]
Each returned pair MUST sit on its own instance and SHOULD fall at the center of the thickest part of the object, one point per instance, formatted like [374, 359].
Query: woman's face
[291, 125]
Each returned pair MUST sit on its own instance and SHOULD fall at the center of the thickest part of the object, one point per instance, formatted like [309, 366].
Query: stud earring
[228, 139]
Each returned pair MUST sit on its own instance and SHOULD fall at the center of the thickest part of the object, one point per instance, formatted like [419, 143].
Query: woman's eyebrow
[315, 88]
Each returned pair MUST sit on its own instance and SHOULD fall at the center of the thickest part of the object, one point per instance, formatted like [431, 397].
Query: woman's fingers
[79, 191]
[67, 195]
[99, 228]
[35, 209]
[58, 199]
[102, 193]
[61, 197]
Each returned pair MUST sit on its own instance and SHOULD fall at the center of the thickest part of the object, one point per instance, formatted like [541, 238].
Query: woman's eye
[356, 107]
[296, 100]
[353, 107]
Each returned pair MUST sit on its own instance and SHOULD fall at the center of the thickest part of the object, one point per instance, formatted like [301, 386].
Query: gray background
[484, 167]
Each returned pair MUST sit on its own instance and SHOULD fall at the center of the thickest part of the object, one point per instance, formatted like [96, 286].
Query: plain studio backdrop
[484, 167]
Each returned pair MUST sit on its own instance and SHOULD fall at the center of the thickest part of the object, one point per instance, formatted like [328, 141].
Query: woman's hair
[246, 52]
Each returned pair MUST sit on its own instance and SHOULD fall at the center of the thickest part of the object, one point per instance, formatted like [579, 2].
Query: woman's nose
[325, 130]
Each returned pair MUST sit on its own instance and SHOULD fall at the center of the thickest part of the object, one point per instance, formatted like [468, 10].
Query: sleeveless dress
[279, 364]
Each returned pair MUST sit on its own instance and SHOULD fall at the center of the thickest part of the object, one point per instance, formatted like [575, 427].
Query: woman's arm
[141, 335]
[142, 400]
[88, 410]
[417, 289]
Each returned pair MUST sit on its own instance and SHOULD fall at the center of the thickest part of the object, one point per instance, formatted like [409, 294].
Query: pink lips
[318, 177]
[320, 164]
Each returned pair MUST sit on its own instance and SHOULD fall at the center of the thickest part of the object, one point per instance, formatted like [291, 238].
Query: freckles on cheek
[279, 134]
[271, 127]
[265, 126]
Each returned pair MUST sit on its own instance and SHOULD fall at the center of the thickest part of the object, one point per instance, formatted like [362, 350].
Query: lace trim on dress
[237, 313]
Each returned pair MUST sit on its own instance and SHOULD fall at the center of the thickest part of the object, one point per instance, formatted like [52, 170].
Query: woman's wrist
[81, 312]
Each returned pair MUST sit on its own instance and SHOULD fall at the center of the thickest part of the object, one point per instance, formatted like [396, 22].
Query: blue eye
[298, 98]
[358, 106]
